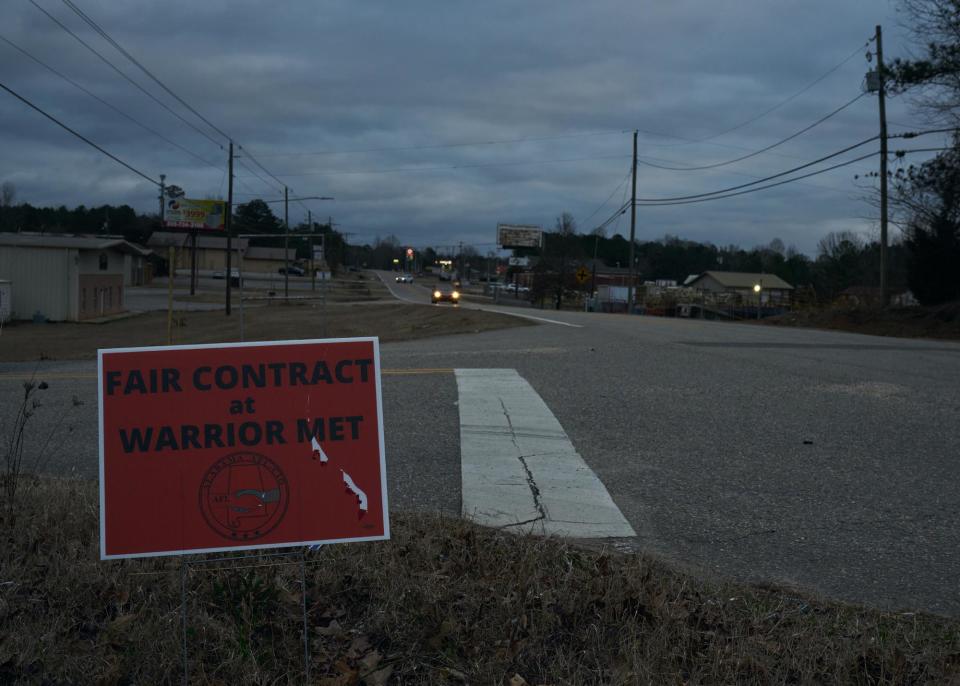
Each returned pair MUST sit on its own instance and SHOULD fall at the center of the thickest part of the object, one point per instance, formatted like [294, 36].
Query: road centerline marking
[42, 376]
[519, 469]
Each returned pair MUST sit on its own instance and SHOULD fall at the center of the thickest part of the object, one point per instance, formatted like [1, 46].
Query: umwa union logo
[244, 496]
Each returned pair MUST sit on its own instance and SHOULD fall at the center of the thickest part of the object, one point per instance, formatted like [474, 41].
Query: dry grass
[941, 322]
[349, 287]
[444, 602]
[391, 322]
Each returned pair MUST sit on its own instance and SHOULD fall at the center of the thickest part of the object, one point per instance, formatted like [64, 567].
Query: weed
[443, 602]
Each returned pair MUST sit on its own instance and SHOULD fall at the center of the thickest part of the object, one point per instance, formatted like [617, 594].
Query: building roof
[259, 252]
[744, 280]
[63, 242]
[181, 239]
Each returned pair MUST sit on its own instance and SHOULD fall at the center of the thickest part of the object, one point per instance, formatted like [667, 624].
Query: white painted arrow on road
[519, 468]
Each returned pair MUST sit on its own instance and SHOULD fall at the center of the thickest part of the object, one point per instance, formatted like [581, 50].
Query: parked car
[445, 293]
[234, 276]
[292, 269]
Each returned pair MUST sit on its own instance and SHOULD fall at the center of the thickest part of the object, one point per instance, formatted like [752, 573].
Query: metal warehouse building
[67, 278]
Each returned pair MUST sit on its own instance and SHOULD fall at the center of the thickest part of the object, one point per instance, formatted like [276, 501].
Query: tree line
[254, 217]
[843, 260]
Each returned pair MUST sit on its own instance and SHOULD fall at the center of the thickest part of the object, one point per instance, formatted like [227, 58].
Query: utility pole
[228, 226]
[884, 257]
[163, 192]
[286, 240]
[633, 228]
[313, 271]
[593, 272]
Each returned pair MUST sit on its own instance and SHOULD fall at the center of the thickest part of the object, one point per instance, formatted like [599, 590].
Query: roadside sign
[207, 448]
[519, 236]
[582, 275]
[185, 213]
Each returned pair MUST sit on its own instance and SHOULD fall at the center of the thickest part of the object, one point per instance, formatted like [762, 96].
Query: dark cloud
[303, 77]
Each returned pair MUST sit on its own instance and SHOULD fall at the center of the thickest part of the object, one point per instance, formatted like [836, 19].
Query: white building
[67, 278]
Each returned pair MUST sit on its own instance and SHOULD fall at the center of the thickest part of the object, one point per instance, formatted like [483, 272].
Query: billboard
[519, 236]
[184, 213]
[207, 448]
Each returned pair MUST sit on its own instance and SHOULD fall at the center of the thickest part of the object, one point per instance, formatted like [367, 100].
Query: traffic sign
[207, 448]
[582, 275]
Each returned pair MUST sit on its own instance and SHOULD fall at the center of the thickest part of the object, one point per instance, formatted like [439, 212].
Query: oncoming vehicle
[404, 278]
[445, 293]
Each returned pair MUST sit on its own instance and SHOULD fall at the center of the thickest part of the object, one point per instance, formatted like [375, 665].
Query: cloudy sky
[435, 120]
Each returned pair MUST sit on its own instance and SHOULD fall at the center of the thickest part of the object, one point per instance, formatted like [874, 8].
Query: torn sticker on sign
[353, 488]
[318, 453]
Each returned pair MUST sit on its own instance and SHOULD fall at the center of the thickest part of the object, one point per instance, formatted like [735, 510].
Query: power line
[254, 174]
[915, 134]
[762, 150]
[604, 203]
[765, 179]
[761, 188]
[78, 135]
[574, 135]
[457, 166]
[616, 215]
[790, 98]
[265, 170]
[797, 178]
[117, 69]
[106, 36]
[108, 104]
[449, 145]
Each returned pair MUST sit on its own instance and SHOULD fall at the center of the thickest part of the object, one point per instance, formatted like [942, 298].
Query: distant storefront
[68, 278]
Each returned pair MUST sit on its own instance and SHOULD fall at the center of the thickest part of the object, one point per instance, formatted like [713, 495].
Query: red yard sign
[208, 448]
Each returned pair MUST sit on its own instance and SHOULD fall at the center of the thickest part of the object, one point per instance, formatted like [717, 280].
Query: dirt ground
[941, 322]
[390, 322]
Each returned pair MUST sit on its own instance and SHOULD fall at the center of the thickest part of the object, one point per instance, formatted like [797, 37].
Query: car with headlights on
[445, 293]
[404, 278]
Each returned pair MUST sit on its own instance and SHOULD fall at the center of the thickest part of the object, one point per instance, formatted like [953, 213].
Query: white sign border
[249, 344]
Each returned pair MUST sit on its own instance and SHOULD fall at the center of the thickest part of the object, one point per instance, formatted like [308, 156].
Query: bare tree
[8, 193]
[933, 78]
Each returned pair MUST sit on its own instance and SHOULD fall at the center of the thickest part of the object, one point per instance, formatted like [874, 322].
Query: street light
[756, 289]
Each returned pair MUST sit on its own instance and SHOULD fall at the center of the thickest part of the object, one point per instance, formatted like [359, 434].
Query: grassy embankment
[444, 602]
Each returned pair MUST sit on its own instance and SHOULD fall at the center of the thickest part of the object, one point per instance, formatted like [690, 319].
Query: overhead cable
[78, 135]
[456, 166]
[127, 78]
[435, 146]
[106, 36]
[765, 179]
[780, 104]
[110, 105]
[760, 188]
[762, 150]
[612, 193]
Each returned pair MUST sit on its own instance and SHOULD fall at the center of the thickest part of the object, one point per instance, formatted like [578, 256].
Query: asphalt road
[817, 459]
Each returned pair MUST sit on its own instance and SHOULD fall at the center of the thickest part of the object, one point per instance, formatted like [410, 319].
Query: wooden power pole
[633, 230]
[884, 257]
